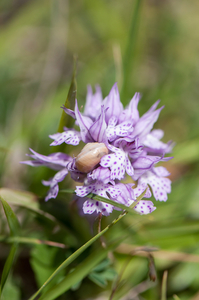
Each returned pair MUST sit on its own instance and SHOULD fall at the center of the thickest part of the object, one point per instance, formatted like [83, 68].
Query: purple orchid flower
[131, 148]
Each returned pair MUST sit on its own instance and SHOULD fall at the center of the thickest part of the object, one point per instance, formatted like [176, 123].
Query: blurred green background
[38, 40]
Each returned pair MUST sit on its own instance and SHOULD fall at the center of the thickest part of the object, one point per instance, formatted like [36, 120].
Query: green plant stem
[106, 200]
[79, 273]
[164, 286]
[82, 249]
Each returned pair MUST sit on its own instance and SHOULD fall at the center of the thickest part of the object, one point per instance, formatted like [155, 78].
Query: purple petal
[52, 193]
[144, 163]
[126, 195]
[112, 102]
[53, 183]
[55, 161]
[146, 122]
[84, 124]
[93, 103]
[131, 112]
[154, 145]
[98, 129]
[69, 112]
[157, 133]
[71, 137]
[101, 174]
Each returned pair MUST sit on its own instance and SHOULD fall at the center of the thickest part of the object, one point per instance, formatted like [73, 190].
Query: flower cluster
[117, 142]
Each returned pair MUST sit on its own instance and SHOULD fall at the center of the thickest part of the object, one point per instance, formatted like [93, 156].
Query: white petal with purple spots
[161, 171]
[144, 207]
[118, 162]
[160, 186]
[69, 137]
[123, 128]
[82, 191]
[140, 189]
[90, 206]
[129, 168]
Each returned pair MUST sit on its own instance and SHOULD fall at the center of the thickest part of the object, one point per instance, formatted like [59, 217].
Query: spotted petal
[144, 207]
[71, 137]
[140, 189]
[53, 183]
[118, 162]
[101, 174]
[90, 206]
[160, 185]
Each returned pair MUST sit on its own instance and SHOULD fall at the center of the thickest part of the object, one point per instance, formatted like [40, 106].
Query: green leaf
[30, 241]
[14, 230]
[103, 265]
[98, 279]
[11, 290]
[101, 273]
[8, 265]
[101, 278]
[11, 218]
[72, 257]
[25, 199]
[81, 271]
[42, 258]
[66, 120]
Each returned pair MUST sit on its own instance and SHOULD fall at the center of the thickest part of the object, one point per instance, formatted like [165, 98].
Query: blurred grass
[37, 44]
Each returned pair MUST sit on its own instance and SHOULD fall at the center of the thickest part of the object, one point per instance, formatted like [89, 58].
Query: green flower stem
[114, 203]
[72, 257]
[82, 270]
[31, 241]
[164, 286]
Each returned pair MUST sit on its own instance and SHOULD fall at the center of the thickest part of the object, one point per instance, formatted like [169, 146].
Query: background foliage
[38, 40]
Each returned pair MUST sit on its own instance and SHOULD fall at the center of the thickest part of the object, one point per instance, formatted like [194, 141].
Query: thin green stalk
[72, 257]
[82, 270]
[164, 286]
[112, 202]
[31, 241]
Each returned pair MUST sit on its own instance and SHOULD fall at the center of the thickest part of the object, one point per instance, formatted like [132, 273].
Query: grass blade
[8, 265]
[72, 257]
[79, 273]
[164, 286]
[66, 120]
[11, 218]
[14, 230]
